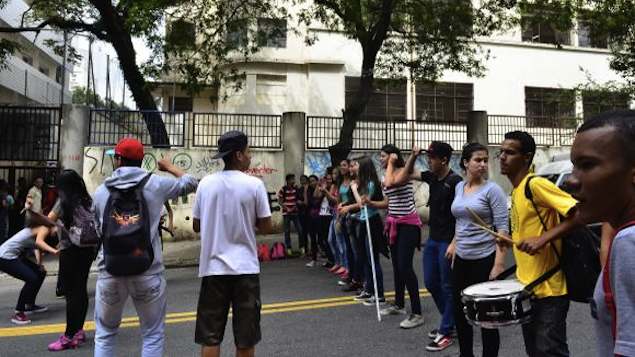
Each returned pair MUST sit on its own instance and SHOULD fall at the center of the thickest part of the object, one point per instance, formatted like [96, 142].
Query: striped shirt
[290, 199]
[401, 200]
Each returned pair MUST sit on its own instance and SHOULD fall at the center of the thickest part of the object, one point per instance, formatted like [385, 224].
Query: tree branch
[94, 28]
[359, 26]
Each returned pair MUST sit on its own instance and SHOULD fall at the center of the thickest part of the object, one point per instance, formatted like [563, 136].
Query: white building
[523, 70]
[33, 75]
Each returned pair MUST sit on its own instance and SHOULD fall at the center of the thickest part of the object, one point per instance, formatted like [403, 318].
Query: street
[304, 314]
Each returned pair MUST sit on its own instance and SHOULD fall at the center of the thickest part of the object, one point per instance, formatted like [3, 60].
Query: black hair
[624, 123]
[4, 185]
[315, 177]
[469, 150]
[527, 143]
[72, 192]
[289, 177]
[366, 174]
[304, 177]
[130, 163]
[329, 170]
[392, 149]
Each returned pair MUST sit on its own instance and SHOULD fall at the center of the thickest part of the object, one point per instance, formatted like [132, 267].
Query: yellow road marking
[181, 317]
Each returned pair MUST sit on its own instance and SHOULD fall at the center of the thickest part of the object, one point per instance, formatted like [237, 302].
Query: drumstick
[476, 217]
[480, 223]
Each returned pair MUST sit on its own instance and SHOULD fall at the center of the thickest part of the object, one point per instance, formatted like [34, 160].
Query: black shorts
[218, 293]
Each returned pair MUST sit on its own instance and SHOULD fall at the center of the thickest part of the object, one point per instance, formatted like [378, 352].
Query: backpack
[82, 232]
[126, 231]
[277, 251]
[579, 259]
[263, 252]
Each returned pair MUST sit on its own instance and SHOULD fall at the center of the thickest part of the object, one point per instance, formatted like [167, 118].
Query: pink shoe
[62, 343]
[334, 268]
[79, 337]
[339, 271]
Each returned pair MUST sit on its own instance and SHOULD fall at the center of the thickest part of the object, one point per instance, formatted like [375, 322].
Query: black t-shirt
[442, 221]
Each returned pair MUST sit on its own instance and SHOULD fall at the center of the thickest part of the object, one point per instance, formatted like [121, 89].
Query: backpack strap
[551, 272]
[609, 299]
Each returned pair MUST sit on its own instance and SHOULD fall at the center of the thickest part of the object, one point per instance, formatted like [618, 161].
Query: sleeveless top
[401, 200]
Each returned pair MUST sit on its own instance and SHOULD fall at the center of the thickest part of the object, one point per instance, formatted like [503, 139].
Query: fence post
[477, 130]
[74, 136]
[293, 139]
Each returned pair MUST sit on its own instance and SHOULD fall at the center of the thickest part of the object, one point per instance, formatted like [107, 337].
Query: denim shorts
[218, 293]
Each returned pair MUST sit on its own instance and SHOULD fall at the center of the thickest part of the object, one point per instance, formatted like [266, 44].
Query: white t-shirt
[227, 204]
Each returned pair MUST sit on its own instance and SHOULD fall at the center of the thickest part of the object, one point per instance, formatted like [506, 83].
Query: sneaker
[362, 296]
[339, 271]
[414, 320]
[393, 309]
[353, 286]
[327, 265]
[35, 309]
[334, 268]
[434, 333]
[62, 343]
[342, 283]
[345, 277]
[302, 251]
[79, 337]
[311, 264]
[59, 293]
[371, 301]
[289, 253]
[20, 318]
[440, 343]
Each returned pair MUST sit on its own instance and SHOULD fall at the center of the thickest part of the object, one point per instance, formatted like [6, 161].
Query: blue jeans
[333, 242]
[286, 222]
[28, 272]
[150, 301]
[438, 281]
[341, 239]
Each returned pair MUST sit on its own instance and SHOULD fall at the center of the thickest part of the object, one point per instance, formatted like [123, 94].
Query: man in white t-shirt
[230, 205]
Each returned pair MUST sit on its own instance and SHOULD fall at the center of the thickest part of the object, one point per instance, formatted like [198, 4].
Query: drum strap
[609, 299]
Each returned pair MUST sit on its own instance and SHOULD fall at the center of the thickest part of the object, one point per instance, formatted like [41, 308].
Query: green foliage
[82, 96]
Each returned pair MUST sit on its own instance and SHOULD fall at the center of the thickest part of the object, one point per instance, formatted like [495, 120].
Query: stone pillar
[74, 136]
[477, 127]
[293, 127]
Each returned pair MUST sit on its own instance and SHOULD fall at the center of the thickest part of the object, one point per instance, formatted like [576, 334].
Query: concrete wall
[266, 165]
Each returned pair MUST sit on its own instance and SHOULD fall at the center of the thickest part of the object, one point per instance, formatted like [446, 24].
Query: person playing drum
[546, 334]
[476, 256]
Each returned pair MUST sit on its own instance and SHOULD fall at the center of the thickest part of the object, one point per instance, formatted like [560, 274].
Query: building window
[59, 74]
[180, 104]
[444, 102]
[388, 100]
[27, 59]
[44, 70]
[272, 33]
[595, 102]
[540, 30]
[589, 37]
[549, 107]
[182, 34]
[237, 34]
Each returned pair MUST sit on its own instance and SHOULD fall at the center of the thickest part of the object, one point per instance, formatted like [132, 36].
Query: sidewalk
[175, 254]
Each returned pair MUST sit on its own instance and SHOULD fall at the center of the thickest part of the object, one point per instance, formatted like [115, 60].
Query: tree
[202, 60]
[83, 96]
[419, 38]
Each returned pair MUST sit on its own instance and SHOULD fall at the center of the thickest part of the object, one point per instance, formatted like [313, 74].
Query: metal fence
[264, 131]
[547, 131]
[322, 132]
[108, 126]
[30, 133]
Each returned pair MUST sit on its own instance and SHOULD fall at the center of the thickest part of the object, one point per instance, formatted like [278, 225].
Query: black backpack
[126, 234]
[579, 260]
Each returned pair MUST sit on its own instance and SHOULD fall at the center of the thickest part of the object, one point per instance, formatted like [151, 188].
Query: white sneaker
[311, 264]
[392, 310]
[414, 320]
[371, 301]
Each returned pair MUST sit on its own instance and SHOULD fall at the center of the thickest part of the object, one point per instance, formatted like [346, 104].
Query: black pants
[305, 224]
[464, 274]
[324, 225]
[546, 334]
[314, 228]
[359, 251]
[74, 268]
[402, 253]
[27, 271]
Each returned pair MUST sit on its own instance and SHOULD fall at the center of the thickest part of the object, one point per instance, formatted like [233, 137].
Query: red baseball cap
[129, 148]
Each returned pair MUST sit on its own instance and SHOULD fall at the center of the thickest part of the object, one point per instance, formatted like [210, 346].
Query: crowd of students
[355, 219]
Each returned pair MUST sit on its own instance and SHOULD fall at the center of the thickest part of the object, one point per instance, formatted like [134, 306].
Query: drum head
[494, 288]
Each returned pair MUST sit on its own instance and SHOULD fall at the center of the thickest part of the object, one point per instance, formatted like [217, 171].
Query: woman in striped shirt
[403, 227]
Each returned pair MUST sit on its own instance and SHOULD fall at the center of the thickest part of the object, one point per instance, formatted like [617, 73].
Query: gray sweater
[490, 203]
[157, 191]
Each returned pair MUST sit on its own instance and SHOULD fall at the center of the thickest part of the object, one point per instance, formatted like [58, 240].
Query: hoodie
[156, 192]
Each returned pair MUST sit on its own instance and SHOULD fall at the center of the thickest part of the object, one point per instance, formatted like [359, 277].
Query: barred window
[388, 100]
[535, 29]
[272, 33]
[549, 107]
[444, 102]
[594, 102]
[182, 34]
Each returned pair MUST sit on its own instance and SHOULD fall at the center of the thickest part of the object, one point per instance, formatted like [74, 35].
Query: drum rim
[464, 294]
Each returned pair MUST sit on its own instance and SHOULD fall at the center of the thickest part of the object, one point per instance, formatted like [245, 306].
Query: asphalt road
[304, 314]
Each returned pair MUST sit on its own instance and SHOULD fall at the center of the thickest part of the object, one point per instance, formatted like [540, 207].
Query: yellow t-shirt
[551, 202]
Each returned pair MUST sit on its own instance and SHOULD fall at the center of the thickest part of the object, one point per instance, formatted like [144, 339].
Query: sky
[101, 51]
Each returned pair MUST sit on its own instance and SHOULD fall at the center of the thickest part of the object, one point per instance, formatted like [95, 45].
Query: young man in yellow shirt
[546, 334]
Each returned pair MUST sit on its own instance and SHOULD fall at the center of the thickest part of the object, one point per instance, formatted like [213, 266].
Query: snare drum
[495, 304]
